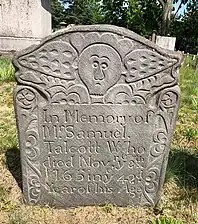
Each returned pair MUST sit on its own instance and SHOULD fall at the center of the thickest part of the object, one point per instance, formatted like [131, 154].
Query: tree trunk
[167, 10]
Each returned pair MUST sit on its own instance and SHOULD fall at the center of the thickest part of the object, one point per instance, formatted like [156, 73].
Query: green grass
[6, 70]
[8, 133]
[186, 134]
[5, 203]
[17, 218]
[182, 168]
[181, 185]
[189, 88]
[165, 220]
[190, 61]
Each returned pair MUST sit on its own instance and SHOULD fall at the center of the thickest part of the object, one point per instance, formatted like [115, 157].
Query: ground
[179, 202]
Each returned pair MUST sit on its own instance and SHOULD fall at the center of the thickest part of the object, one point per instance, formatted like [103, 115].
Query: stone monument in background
[166, 42]
[23, 23]
[96, 108]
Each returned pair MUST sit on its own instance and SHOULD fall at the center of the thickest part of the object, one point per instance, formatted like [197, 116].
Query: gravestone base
[10, 44]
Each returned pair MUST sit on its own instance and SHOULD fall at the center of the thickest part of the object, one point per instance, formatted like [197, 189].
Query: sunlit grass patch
[5, 203]
[189, 88]
[4, 192]
[17, 218]
[6, 70]
[186, 134]
[8, 133]
[181, 186]
[166, 220]
[190, 61]
[107, 208]
[180, 203]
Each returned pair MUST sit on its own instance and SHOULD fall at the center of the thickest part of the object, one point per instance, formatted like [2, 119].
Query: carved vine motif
[164, 124]
[26, 100]
[98, 64]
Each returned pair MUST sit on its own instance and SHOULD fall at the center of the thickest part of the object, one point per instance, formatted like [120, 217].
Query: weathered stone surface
[166, 42]
[23, 23]
[96, 108]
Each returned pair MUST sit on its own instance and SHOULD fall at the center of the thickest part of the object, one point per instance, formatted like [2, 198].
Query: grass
[182, 168]
[179, 202]
[8, 134]
[165, 220]
[17, 218]
[6, 70]
[189, 88]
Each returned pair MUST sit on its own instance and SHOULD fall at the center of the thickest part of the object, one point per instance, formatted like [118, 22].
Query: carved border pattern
[163, 131]
[27, 111]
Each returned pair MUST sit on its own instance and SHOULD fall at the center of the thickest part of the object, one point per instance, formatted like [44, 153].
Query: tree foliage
[58, 13]
[83, 12]
[185, 29]
[144, 16]
[114, 12]
[141, 16]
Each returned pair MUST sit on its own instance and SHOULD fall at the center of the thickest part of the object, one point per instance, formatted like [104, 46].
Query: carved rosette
[27, 114]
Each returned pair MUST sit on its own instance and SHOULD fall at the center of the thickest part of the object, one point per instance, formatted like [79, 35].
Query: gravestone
[96, 108]
[166, 42]
[23, 23]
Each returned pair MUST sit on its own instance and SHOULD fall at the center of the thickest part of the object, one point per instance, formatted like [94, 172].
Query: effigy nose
[99, 74]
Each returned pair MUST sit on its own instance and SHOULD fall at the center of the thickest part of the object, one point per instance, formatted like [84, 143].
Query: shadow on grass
[183, 168]
[13, 163]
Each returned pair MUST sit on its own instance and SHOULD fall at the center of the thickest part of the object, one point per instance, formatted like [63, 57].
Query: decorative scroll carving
[119, 94]
[165, 119]
[75, 94]
[26, 101]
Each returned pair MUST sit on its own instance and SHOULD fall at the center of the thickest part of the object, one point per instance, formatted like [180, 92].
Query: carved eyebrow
[93, 56]
[104, 57]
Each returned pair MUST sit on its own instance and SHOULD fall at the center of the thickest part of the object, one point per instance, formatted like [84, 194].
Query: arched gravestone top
[96, 108]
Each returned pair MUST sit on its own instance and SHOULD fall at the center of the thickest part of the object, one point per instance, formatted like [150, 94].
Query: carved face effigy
[99, 68]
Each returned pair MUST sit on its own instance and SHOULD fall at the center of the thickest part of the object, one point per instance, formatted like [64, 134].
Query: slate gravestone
[96, 108]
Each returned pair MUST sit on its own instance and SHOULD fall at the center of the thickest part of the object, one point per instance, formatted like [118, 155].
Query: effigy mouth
[98, 84]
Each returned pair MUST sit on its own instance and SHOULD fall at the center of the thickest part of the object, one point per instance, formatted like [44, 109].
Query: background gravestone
[96, 108]
[23, 23]
[166, 42]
